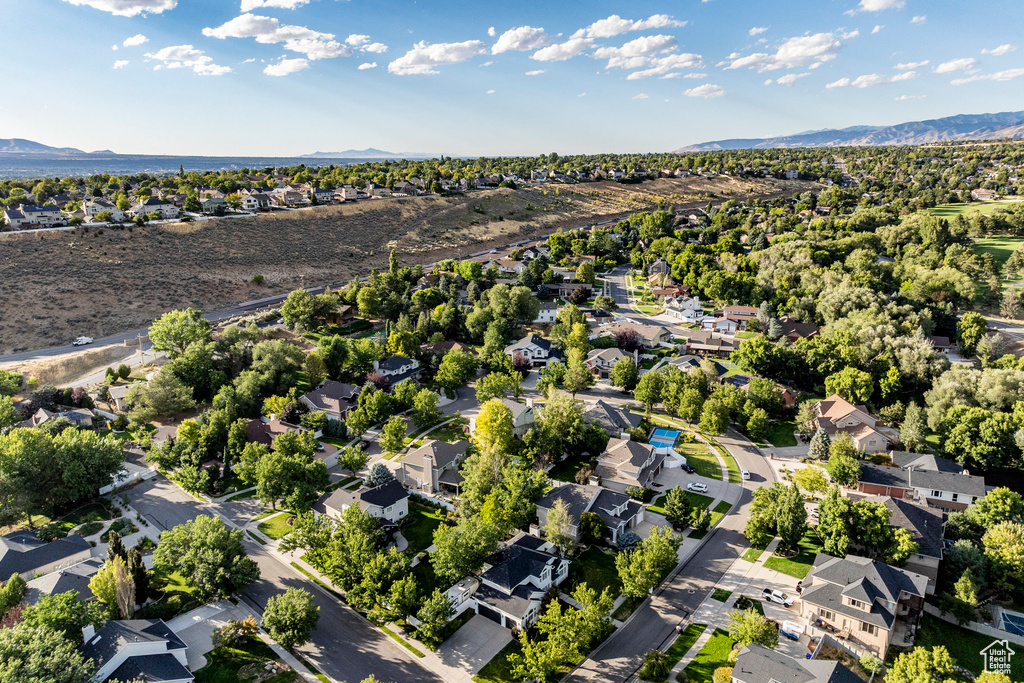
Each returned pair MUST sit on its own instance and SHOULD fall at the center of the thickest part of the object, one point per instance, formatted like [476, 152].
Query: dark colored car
[688, 469]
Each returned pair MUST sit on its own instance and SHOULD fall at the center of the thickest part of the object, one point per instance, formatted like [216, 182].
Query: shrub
[628, 540]
[89, 528]
[641, 493]
[257, 279]
[723, 674]
[51, 532]
[655, 667]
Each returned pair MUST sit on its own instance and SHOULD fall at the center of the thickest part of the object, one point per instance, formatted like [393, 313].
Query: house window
[936, 494]
[955, 496]
[389, 508]
[856, 603]
[868, 628]
[828, 615]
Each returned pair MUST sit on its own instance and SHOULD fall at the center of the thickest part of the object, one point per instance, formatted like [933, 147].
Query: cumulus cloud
[904, 98]
[879, 5]
[905, 76]
[535, 72]
[956, 65]
[187, 57]
[286, 66]
[357, 39]
[137, 39]
[636, 53]
[128, 8]
[851, 34]
[314, 44]
[1007, 75]
[999, 51]
[424, 58]
[616, 25]
[869, 80]
[121, 63]
[279, 4]
[367, 65]
[919, 19]
[559, 52]
[841, 83]
[757, 30]
[876, 29]
[362, 43]
[657, 66]
[707, 90]
[789, 79]
[491, 32]
[490, 92]
[810, 50]
[903, 66]
[641, 96]
[521, 39]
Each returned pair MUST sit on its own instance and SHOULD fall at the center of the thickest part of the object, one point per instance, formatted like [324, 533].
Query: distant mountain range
[1009, 124]
[22, 146]
[368, 153]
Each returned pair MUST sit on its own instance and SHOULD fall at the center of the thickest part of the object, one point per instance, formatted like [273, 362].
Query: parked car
[745, 474]
[687, 468]
[82, 341]
[697, 486]
[777, 597]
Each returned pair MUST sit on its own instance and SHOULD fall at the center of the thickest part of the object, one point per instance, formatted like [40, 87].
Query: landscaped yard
[596, 567]
[780, 434]
[566, 470]
[419, 530]
[799, 565]
[713, 655]
[276, 527]
[721, 510]
[242, 663]
[498, 670]
[752, 554]
[176, 597]
[701, 459]
[721, 594]
[451, 432]
[965, 646]
[683, 643]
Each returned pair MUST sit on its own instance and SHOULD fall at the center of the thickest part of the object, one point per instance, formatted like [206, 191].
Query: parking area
[473, 645]
[671, 477]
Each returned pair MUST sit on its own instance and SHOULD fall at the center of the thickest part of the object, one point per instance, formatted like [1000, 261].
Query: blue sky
[286, 77]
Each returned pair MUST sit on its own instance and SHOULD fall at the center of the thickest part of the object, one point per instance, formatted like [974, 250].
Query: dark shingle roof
[884, 476]
[758, 664]
[441, 453]
[332, 396]
[23, 552]
[885, 581]
[114, 635]
[575, 497]
[515, 564]
[923, 523]
[151, 669]
[74, 578]
[385, 495]
[613, 418]
[963, 484]
[394, 364]
[534, 339]
[925, 461]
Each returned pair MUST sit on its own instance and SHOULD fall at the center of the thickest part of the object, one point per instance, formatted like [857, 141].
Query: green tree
[856, 386]
[9, 416]
[585, 273]
[922, 665]
[646, 565]
[208, 555]
[625, 374]
[758, 424]
[791, 521]
[353, 459]
[834, 519]
[592, 528]
[316, 369]
[12, 593]
[462, 549]
[577, 375]
[456, 368]
[678, 508]
[33, 654]
[1004, 548]
[560, 424]
[175, 330]
[498, 385]
[291, 617]
[714, 417]
[368, 302]
[970, 329]
[820, 445]
[749, 626]
[649, 390]
[437, 610]
[998, 505]
[558, 528]
[424, 408]
[810, 479]
[357, 422]
[61, 612]
[164, 395]
[392, 437]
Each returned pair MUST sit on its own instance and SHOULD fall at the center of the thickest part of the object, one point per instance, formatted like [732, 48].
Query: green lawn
[780, 434]
[498, 670]
[566, 470]
[241, 663]
[721, 594]
[799, 565]
[965, 646]
[713, 655]
[450, 433]
[419, 530]
[426, 579]
[648, 309]
[596, 568]
[752, 554]
[683, 643]
[951, 211]
[701, 459]
[276, 527]
[177, 596]
[999, 247]
[744, 603]
[721, 510]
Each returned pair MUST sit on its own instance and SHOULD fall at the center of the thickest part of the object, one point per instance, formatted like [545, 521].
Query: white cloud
[376, 48]
[999, 51]
[757, 30]
[187, 57]
[904, 98]
[636, 53]
[707, 90]
[357, 39]
[487, 63]
[267, 30]
[559, 52]
[521, 39]
[280, 4]
[114, 48]
[880, 5]
[137, 39]
[695, 75]
[249, 61]
[790, 79]
[582, 94]
[128, 8]
[841, 83]
[424, 57]
[491, 32]
[286, 66]
[876, 29]
[799, 51]
[367, 65]
[905, 76]
[490, 92]
[121, 63]
[903, 66]
[956, 65]
[852, 34]
[616, 25]
[919, 19]
[869, 80]
[1007, 75]
[662, 65]
[535, 72]
[641, 96]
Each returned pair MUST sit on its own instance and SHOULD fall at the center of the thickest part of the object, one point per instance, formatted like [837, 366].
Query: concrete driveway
[675, 476]
[195, 627]
[164, 504]
[473, 645]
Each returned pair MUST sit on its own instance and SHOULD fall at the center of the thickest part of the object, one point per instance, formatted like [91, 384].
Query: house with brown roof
[709, 343]
[266, 430]
[837, 416]
[433, 467]
[650, 335]
[334, 399]
[793, 329]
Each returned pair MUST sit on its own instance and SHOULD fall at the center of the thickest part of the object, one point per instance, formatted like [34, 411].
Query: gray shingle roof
[758, 664]
[114, 635]
[529, 339]
[925, 461]
[394, 364]
[23, 552]
[853, 571]
[575, 497]
[613, 418]
[924, 523]
[515, 564]
[884, 476]
[963, 484]
[74, 578]
[151, 669]
[441, 453]
[332, 396]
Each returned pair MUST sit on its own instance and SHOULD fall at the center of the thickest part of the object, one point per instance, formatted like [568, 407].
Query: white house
[548, 312]
[535, 349]
[389, 502]
[154, 205]
[256, 201]
[522, 415]
[619, 512]
[30, 216]
[510, 267]
[136, 649]
[397, 368]
[23, 553]
[95, 206]
[346, 193]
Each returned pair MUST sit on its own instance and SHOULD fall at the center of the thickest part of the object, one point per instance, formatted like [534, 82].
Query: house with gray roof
[534, 348]
[930, 479]
[523, 416]
[869, 604]
[618, 511]
[397, 368]
[143, 649]
[74, 578]
[433, 467]
[602, 361]
[23, 553]
[332, 398]
[388, 502]
[626, 463]
[926, 526]
[758, 664]
[614, 419]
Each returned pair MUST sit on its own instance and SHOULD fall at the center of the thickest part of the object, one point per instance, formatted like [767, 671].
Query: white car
[697, 486]
[777, 597]
[82, 341]
[745, 474]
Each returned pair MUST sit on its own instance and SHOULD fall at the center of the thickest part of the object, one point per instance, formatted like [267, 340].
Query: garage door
[489, 612]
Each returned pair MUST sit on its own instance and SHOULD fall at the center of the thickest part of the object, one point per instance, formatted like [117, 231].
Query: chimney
[529, 403]
[594, 480]
[88, 631]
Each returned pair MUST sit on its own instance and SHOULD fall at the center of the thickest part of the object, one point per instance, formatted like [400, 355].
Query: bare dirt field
[98, 282]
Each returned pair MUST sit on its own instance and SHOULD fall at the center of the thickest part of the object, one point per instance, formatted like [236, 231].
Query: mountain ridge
[1008, 124]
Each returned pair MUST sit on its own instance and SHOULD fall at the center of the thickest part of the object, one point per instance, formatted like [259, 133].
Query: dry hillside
[99, 282]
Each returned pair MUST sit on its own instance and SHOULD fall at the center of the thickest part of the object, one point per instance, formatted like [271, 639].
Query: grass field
[420, 530]
[242, 663]
[799, 565]
[752, 554]
[713, 655]
[951, 211]
[596, 568]
[683, 643]
[965, 646]
[276, 527]
[780, 434]
[999, 247]
[177, 597]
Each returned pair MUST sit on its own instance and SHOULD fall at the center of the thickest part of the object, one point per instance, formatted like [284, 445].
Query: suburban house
[80, 417]
[836, 416]
[265, 430]
[983, 195]
[650, 335]
[441, 348]
[136, 649]
[74, 578]
[512, 587]
[759, 664]
[793, 329]
[523, 416]
[659, 266]
[213, 205]
[341, 315]
[942, 344]
[256, 202]
[690, 363]
[614, 419]
[867, 603]
[722, 325]
[626, 463]
[389, 502]
[30, 216]
[154, 205]
[23, 553]
[547, 313]
[707, 342]
[601, 361]
[618, 511]
[742, 313]
[321, 195]
[95, 206]
[534, 348]
[598, 316]
[684, 308]
[432, 466]
[565, 289]
[332, 398]
[346, 193]
[510, 267]
[929, 479]
[925, 525]
[397, 368]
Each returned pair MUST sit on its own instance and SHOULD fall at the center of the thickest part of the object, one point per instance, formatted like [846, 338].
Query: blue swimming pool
[664, 438]
[1013, 622]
